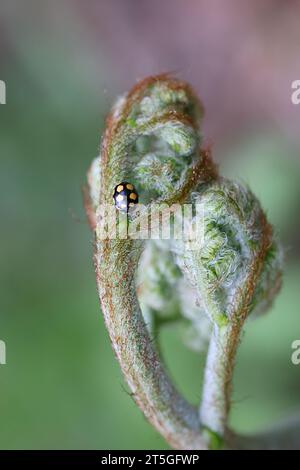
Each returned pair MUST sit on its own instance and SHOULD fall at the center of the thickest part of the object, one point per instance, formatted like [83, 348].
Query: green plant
[153, 139]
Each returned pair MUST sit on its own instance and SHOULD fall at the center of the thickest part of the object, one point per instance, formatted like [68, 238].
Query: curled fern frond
[153, 140]
[236, 265]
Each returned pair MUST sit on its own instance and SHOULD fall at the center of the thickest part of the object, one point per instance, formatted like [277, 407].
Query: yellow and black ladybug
[125, 196]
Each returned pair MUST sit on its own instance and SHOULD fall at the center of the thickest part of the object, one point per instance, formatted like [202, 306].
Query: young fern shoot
[153, 144]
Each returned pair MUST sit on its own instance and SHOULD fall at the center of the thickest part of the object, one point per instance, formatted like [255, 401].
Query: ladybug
[125, 196]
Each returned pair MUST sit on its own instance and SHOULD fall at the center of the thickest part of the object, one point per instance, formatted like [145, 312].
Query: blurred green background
[64, 62]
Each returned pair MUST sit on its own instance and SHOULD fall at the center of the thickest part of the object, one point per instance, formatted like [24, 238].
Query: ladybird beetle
[125, 196]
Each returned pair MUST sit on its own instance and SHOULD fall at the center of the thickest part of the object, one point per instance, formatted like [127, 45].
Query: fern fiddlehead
[153, 140]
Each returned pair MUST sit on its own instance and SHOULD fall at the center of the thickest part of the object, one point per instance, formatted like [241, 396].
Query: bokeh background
[64, 62]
